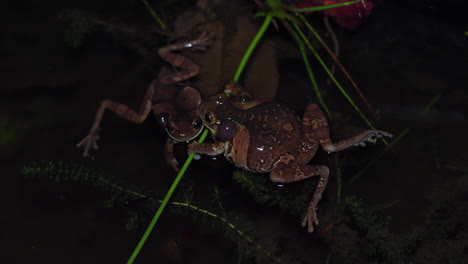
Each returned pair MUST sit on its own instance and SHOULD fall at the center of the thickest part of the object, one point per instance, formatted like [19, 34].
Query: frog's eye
[209, 118]
[163, 119]
[197, 124]
[226, 130]
[245, 97]
[170, 128]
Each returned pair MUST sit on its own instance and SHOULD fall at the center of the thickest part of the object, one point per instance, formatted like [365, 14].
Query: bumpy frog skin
[266, 136]
[175, 108]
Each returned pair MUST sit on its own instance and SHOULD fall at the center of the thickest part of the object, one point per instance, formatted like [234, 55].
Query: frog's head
[180, 119]
[214, 110]
[222, 114]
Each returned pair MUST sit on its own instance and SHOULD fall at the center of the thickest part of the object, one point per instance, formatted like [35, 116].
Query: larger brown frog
[265, 136]
[175, 109]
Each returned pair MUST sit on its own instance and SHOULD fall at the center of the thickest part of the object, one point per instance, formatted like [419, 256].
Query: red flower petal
[349, 17]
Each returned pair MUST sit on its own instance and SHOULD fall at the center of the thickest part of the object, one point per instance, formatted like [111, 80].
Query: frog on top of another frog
[265, 136]
[174, 105]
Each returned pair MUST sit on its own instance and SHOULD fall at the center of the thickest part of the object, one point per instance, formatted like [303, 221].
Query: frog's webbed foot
[310, 219]
[202, 41]
[287, 171]
[89, 141]
[174, 164]
[371, 136]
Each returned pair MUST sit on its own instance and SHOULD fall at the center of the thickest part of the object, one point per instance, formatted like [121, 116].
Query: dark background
[404, 55]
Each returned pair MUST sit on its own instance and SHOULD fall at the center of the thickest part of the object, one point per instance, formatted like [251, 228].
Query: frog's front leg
[290, 172]
[316, 126]
[210, 149]
[169, 154]
[119, 109]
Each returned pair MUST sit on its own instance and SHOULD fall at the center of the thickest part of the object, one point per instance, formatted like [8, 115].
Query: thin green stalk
[164, 201]
[305, 59]
[318, 8]
[252, 46]
[343, 69]
[394, 142]
[322, 63]
[155, 15]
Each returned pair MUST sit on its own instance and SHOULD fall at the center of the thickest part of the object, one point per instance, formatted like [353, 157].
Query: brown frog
[265, 136]
[175, 109]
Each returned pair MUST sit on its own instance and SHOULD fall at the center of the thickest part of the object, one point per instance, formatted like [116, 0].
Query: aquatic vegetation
[358, 233]
[140, 202]
[292, 199]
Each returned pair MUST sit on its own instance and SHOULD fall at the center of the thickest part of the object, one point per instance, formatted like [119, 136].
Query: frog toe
[310, 220]
[172, 162]
[90, 141]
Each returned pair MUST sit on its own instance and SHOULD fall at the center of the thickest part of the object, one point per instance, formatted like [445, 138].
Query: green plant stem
[305, 59]
[319, 59]
[165, 201]
[155, 15]
[252, 46]
[336, 60]
[319, 8]
[322, 103]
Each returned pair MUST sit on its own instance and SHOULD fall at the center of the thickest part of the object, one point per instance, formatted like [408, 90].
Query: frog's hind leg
[292, 172]
[189, 67]
[317, 122]
[121, 110]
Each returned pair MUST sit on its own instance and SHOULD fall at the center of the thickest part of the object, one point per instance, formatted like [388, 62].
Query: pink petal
[352, 16]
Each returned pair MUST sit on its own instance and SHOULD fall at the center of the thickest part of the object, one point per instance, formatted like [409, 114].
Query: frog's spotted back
[269, 137]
